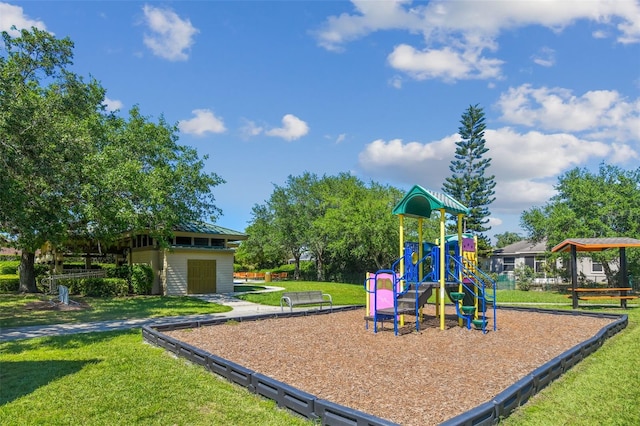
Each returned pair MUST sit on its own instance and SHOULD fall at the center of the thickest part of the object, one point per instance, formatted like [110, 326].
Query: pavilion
[575, 245]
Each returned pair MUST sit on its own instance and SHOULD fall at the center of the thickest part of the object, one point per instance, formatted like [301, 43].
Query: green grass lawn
[603, 389]
[341, 294]
[14, 312]
[113, 378]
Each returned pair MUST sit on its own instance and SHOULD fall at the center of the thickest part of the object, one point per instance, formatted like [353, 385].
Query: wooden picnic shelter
[574, 245]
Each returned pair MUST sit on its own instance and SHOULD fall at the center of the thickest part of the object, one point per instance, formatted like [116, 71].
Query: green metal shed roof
[420, 202]
[207, 228]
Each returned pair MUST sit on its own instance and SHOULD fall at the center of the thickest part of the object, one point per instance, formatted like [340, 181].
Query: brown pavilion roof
[596, 244]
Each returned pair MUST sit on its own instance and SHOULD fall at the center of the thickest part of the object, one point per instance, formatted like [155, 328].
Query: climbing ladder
[477, 291]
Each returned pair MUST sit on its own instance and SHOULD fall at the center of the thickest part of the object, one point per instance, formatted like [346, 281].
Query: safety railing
[478, 288]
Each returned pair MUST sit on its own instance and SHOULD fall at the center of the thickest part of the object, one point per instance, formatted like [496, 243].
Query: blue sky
[270, 89]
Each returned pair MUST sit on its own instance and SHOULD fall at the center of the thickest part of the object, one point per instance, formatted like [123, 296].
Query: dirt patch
[56, 305]
[421, 378]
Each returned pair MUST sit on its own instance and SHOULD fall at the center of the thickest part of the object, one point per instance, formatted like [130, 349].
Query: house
[506, 259]
[198, 260]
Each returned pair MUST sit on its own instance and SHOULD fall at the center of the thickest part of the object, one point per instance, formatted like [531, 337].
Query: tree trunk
[611, 275]
[319, 268]
[27, 273]
[296, 272]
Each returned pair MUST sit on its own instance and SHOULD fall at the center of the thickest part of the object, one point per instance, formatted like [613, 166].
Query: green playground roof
[420, 202]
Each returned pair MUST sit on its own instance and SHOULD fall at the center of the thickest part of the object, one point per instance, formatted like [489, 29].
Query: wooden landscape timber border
[313, 408]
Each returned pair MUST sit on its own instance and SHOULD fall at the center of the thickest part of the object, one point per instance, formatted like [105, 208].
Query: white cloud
[407, 162]
[600, 34]
[525, 165]
[250, 129]
[546, 57]
[447, 64]
[494, 221]
[11, 15]
[341, 138]
[395, 82]
[461, 32]
[623, 154]
[170, 36]
[372, 16]
[204, 122]
[112, 104]
[292, 128]
[599, 114]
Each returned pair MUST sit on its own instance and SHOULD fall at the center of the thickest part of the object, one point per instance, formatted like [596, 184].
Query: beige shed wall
[176, 269]
[154, 259]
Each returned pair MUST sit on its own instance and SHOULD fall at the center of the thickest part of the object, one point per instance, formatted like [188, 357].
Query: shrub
[524, 277]
[96, 287]
[109, 270]
[40, 270]
[9, 283]
[307, 270]
[104, 287]
[141, 279]
[74, 265]
[9, 267]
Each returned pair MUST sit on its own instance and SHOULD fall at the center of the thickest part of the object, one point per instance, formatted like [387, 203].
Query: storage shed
[198, 260]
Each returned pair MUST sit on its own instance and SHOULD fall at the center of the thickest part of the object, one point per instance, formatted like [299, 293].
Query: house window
[596, 267]
[530, 261]
[183, 241]
[217, 243]
[198, 241]
[508, 264]
[540, 265]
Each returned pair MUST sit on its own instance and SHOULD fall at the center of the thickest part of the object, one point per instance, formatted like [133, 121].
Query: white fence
[50, 280]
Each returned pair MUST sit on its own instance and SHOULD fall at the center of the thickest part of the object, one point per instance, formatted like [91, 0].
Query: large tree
[292, 215]
[345, 224]
[46, 119]
[469, 182]
[364, 233]
[591, 205]
[70, 170]
[507, 238]
[260, 250]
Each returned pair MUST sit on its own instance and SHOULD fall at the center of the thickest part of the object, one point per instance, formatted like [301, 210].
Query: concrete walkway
[240, 308]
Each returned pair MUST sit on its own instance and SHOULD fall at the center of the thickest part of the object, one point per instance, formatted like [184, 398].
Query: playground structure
[449, 266]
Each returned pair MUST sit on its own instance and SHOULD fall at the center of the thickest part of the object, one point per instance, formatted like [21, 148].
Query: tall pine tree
[469, 183]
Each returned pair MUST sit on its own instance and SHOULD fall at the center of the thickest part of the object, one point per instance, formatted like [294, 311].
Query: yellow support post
[475, 264]
[460, 286]
[368, 287]
[442, 267]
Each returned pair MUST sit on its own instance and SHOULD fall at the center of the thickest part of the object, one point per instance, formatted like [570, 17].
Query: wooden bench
[300, 298]
[605, 293]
